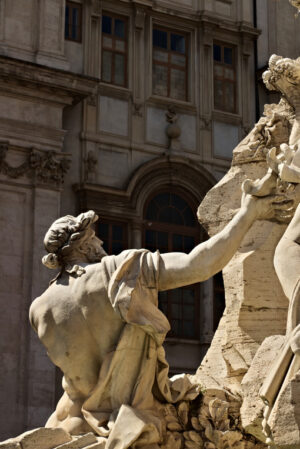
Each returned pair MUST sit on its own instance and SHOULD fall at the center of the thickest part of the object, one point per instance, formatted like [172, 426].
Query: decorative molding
[173, 130]
[91, 166]
[67, 87]
[92, 100]
[47, 168]
[140, 15]
[206, 123]
[96, 7]
[137, 108]
[128, 203]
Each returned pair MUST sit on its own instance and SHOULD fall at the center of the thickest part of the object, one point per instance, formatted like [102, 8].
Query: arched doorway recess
[170, 225]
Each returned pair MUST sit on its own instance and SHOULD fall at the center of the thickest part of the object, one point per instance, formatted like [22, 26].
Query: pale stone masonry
[71, 142]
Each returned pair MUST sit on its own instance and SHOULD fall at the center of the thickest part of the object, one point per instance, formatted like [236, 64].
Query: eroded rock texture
[256, 307]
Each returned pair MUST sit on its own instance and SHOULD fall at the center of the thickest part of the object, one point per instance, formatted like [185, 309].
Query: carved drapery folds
[47, 167]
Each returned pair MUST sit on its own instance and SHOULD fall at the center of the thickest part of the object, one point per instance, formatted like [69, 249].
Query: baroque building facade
[131, 108]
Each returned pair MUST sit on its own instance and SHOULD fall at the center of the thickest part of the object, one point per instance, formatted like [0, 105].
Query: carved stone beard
[95, 255]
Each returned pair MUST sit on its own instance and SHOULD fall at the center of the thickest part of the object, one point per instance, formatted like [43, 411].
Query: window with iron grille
[73, 21]
[170, 64]
[114, 50]
[171, 225]
[225, 83]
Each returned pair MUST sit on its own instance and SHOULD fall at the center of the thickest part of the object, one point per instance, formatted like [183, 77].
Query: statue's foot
[74, 425]
[68, 417]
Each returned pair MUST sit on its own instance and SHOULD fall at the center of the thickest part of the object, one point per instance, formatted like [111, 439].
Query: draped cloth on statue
[133, 379]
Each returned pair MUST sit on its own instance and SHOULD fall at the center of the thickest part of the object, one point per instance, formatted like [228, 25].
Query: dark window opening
[171, 225]
[225, 83]
[170, 64]
[73, 21]
[114, 236]
[114, 50]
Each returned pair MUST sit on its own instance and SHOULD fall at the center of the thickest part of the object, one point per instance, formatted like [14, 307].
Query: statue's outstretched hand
[271, 207]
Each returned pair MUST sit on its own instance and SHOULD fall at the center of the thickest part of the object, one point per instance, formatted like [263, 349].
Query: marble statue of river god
[100, 323]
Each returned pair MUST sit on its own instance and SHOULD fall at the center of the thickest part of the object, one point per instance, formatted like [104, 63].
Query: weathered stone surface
[9, 444]
[285, 418]
[99, 445]
[254, 310]
[253, 407]
[43, 438]
[80, 442]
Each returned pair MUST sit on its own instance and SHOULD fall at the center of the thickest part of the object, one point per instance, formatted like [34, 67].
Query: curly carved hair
[63, 235]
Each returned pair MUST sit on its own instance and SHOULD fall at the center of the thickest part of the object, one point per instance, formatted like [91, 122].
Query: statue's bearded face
[92, 248]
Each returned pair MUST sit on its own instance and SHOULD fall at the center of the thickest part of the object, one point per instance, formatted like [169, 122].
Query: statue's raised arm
[209, 257]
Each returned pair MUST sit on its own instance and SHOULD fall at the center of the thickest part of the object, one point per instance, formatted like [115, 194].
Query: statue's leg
[287, 256]
[68, 414]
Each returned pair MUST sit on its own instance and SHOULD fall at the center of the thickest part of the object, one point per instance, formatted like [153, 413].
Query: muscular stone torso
[77, 324]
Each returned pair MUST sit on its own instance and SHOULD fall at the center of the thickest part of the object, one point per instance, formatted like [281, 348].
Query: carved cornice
[68, 86]
[46, 167]
[128, 203]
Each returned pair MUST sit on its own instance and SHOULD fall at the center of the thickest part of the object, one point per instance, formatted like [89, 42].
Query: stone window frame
[171, 30]
[125, 18]
[74, 5]
[223, 79]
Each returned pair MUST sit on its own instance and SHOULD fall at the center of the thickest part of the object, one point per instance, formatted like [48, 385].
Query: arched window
[171, 225]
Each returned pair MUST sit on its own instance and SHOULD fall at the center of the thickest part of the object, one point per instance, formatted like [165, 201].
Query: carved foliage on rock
[210, 422]
[46, 166]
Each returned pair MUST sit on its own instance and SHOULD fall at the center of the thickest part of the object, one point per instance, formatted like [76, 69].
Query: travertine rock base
[53, 439]
[256, 307]
[285, 416]
[253, 408]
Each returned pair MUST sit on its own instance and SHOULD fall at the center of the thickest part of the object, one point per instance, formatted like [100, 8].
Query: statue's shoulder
[36, 308]
[43, 304]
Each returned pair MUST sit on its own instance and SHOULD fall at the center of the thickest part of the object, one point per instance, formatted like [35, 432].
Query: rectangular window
[225, 85]
[73, 21]
[169, 64]
[114, 236]
[114, 50]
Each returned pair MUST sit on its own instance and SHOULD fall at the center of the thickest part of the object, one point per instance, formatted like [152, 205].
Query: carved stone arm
[208, 258]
